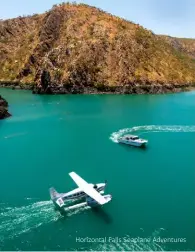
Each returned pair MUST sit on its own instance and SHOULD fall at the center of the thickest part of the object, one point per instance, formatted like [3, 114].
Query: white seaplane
[92, 193]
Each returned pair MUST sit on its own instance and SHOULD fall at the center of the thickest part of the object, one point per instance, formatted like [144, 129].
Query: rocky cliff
[3, 108]
[81, 49]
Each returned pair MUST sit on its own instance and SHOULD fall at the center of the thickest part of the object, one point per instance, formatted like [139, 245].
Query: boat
[132, 140]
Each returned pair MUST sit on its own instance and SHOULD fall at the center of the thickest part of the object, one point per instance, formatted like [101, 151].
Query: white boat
[132, 140]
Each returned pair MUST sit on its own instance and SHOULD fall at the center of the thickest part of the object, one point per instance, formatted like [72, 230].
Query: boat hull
[136, 144]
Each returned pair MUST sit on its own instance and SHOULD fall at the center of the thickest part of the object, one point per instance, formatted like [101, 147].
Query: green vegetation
[79, 45]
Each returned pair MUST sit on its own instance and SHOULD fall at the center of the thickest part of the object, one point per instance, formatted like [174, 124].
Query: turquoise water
[153, 189]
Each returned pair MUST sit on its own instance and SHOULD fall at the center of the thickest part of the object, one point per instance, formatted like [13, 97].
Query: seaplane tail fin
[53, 193]
[87, 188]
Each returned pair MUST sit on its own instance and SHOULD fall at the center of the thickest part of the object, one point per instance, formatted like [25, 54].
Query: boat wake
[16, 135]
[151, 128]
[76, 211]
[17, 220]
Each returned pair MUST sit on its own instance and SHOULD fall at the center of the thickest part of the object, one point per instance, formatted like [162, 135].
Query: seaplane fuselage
[78, 193]
[60, 198]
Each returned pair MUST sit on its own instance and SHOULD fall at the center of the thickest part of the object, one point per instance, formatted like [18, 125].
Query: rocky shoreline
[3, 108]
[17, 85]
[101, 89]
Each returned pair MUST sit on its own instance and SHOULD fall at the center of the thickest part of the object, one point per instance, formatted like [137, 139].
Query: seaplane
[91, 193]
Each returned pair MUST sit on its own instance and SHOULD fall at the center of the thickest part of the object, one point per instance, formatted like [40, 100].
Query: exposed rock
[3, 108]
[133, 89]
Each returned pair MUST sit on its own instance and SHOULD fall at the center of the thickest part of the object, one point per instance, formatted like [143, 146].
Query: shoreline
[102, 89]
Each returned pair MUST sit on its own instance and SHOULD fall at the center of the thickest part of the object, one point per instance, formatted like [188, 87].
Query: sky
[170, 17]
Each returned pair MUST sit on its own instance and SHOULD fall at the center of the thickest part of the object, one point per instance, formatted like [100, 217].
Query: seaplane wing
[87, 188]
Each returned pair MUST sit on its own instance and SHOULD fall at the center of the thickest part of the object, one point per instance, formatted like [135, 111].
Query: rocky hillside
[3, 108]
[185, 45]
[78, 48]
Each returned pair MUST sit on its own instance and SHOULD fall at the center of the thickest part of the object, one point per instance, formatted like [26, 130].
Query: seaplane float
[92, 194]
